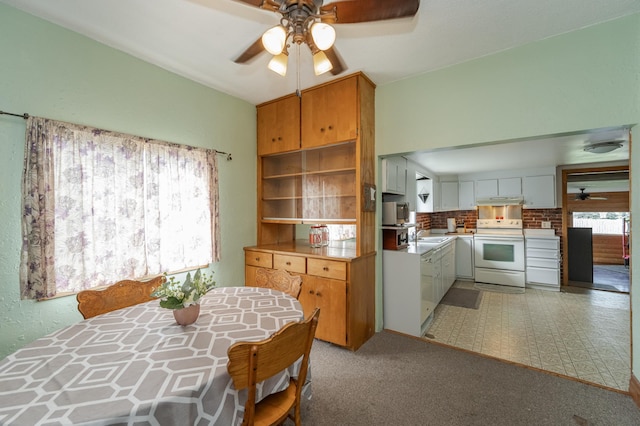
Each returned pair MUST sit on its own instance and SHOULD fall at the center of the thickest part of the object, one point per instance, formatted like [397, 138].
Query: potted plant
[183, 298]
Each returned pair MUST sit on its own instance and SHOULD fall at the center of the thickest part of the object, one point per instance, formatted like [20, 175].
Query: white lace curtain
[99, 207]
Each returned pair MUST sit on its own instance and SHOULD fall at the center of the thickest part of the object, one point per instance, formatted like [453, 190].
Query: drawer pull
[325, 268]
[257, 259]
[288, 263]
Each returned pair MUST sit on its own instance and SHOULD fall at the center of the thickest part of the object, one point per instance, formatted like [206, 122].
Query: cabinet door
[394, 170]
[329, 113]
[509, 187]
[539, 192]
[486, 188]
[448, 196]
[331, 297]
[466, 196]
[464, 257]
[279, 126]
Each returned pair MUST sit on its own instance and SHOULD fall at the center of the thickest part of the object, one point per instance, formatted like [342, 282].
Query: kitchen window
[100, 207]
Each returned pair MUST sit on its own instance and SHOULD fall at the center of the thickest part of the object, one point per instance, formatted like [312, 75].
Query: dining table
[137, 366]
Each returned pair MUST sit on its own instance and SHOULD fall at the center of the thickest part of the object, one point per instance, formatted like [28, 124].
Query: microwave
[394, 213]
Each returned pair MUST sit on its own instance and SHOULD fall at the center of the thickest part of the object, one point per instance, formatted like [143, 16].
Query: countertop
[540, 233]
[422, 247]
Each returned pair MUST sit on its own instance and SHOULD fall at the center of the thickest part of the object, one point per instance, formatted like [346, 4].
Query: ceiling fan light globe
[273, 39]
[278, 64]
[321, 63]
[323, 35]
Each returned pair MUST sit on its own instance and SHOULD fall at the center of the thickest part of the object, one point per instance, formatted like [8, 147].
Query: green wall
[50, 72]
[581, 80]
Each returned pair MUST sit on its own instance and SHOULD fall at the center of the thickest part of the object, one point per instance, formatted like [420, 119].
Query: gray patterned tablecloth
[137, 366]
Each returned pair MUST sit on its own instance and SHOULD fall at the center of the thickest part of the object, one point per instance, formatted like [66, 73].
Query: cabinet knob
[288, 263]
[330, 127]
[326, 268]
[279, 138]
[322, 129]
[318, 294]
[273, 139]
[310, 291]
[257, 259]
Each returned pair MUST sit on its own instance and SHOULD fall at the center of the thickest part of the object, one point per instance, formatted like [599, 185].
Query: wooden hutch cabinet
[320, 178]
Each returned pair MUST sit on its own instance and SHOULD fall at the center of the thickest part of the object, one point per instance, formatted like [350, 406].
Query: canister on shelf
[324, 229]
[315, 236]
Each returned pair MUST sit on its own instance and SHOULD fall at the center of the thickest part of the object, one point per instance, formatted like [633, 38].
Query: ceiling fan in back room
[307, 22]
[586, 196]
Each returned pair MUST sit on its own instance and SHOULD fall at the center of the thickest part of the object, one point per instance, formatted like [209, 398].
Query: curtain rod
[25, 116]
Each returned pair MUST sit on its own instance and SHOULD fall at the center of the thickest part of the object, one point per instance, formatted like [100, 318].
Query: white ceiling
[199, 39]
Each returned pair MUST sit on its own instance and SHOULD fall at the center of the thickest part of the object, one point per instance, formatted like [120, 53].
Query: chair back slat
[279, 279]
[117, 296]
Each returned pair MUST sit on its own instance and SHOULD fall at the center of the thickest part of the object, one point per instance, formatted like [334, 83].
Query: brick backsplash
[531, 219]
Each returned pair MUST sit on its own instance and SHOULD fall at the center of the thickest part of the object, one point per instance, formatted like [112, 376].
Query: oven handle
[497, 237]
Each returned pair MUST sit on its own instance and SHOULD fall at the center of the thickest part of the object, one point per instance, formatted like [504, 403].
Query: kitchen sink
[433, 240]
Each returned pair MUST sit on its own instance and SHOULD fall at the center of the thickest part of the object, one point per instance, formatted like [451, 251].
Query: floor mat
[462, 297]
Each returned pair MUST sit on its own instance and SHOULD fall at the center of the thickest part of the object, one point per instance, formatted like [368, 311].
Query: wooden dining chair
[253, 362]
[279, 279]
[117, 296]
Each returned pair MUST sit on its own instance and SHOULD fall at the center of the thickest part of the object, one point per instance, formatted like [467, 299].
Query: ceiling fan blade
[262, 4]
[336, 61]
[354, 11]
[253, 50]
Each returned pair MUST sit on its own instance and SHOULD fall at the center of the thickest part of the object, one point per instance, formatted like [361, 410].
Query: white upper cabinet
[503, 187]
[394, 173]
[466, 195]
[448, 196]
[509, 187]
[486, 188]
[539, 192]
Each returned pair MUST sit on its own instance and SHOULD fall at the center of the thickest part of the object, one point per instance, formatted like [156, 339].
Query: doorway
[596, 228]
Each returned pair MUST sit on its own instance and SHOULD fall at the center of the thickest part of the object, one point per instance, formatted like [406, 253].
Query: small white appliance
[451, 224]
[394, 213]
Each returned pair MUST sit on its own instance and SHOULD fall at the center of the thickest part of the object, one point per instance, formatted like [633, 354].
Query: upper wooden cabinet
[330, 113]
[279, 125]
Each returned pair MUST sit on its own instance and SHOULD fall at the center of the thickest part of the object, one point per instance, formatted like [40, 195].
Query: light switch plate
[546, 225]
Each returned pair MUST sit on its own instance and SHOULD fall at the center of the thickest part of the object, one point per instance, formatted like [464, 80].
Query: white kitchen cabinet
[509, 187]
[466, 196]
[411, 189]
[394, 172]
[464, 257]
[503, 187]
[543, 262]
[486, 188]
[448, 266]
[409, 297]
[539, 192]
[448, 196]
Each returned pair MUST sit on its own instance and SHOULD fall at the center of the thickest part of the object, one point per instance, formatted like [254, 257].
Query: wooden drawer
[258, 258]
[327, 268]
[290, 263]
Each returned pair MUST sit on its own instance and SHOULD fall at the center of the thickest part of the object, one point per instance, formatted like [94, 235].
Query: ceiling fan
[307, 21]
[586, 196]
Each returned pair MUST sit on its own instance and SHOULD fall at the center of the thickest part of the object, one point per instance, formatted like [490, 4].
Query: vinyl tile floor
[579, 333]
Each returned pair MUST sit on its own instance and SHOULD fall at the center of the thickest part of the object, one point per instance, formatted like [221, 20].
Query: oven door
[499, 252]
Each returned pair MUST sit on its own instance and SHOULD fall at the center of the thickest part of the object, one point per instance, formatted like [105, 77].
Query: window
[100, 207]
[611, 223]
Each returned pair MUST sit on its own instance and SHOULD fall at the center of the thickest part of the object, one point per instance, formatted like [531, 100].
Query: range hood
[500, 201]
